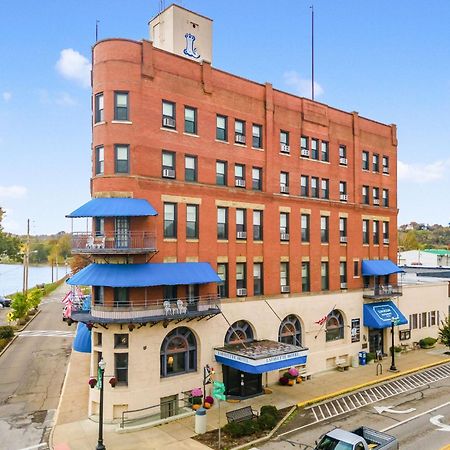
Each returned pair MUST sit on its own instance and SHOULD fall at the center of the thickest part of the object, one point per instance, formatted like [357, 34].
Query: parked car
[4, 302]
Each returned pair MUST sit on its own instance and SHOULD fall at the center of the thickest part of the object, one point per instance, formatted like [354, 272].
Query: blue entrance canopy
[142, 275]
[379, 267]
[114, 207]
[82, 342]
[379, 315]
[261, 356]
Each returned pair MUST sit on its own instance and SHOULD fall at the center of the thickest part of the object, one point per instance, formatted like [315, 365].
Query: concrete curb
[18, 331]
[369, 383]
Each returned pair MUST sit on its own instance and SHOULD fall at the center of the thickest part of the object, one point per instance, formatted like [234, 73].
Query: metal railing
[383, 291]
[113, 242]
[170, 308]
[158, 412]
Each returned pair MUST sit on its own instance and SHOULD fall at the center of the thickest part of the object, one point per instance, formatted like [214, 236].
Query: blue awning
[142, 275]
[115, 207]
[378, 267]
[380, 315]
[82, 341]
[261, 356]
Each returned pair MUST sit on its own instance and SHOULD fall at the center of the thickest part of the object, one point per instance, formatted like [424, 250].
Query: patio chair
[90, 242]
[182, 309]
[167, 308]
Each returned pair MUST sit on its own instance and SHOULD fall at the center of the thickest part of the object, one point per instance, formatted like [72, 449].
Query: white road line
[414, 417]
[334, 407]
[43, 445]
[328, 410]
[348, 407]
[315, 415]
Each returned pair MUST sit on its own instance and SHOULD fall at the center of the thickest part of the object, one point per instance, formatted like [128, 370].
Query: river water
[11, 276]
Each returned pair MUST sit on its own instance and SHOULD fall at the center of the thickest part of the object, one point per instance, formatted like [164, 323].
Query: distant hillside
[420, 236]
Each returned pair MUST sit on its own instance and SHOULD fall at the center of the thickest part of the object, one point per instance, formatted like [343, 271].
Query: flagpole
[312, 52]
[324, 322]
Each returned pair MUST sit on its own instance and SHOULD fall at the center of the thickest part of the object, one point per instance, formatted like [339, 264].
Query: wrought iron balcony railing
[380, 291]
[111, 243]
[150, 310]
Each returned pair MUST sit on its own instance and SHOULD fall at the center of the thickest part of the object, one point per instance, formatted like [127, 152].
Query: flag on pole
[322, 320]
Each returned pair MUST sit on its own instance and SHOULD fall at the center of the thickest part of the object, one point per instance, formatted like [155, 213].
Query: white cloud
[59, 98]
[74, 66]
[13, 191]
[422, 173]
[65, 99]
[7, 96]
[301, 86]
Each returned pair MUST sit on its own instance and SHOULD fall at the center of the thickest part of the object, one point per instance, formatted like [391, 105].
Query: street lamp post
[101, 373]
[393, 368]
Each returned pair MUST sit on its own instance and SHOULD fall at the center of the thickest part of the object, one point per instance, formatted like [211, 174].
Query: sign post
[218, 393]
[394, 322]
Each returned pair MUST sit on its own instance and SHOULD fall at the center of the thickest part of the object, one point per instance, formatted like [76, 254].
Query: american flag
[322, 320]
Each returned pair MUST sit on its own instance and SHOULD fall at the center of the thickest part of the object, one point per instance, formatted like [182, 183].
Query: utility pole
[312, 52]
[26, 259]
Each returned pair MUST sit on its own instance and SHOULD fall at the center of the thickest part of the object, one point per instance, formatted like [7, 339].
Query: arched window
[335, 326]
[241, 331]
[178, 352]
[290, 331]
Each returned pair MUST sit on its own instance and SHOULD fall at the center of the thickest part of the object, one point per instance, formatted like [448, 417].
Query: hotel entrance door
[376, 340]
[240, 384]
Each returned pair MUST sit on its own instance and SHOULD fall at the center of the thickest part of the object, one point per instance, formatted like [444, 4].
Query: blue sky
[389, 61]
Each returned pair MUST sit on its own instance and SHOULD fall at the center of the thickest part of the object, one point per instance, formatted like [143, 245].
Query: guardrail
[383, 291]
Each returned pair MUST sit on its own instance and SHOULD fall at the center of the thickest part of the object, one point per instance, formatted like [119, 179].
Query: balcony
[145, 311]
[381, 291]
[133, 242]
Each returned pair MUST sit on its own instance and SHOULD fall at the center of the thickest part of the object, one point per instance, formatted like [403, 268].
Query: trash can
[362, 358]
[355, 361]
[200, 421]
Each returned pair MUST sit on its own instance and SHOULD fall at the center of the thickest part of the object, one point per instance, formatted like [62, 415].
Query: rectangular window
[304, 147]
[314, 148]
[306, 284]
[241, 224]
[258, 287]
[376, 232]
[325, 183]
[257, 225]
[365, 195]
[168, 114]
[304, 219]
[241, 277]
[99, 108]
[343, 196]
[375, 163]
[284, 182]
[315, 187]
[284, 142]
[385, 233]
[192, 221]
[222, 223]
[376, 196]
[170, 220]
[120, 340]
[99, 295]
[239, 132]
[284, 226]
[304, 186]
[168, 164]
[385, 164]
[386, 198]
[222, 287]
[324, 232]
[190, 168]
[99, 160]
[121, 153]
[222, 128]
[257, 136]
[190, 120]
[355, 269]
[239, 175]
[365, 231]
[343, 274]
[257, 179]
[121, 106]
[121, 368]
[121, 297]
[413, 321]
[284, 276]
[99, 226]
[325, 155]
[432, 322]
[423, 320]
[98, 339]
[365, 160]
[343, 155]
[221, 173]
[324, 276]
[343, 230]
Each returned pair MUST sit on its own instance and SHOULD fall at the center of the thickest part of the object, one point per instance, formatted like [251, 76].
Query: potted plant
[196, 398]
[427, 342]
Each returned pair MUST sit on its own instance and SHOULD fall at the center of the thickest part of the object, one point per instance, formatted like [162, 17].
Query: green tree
[9, 244]
[34, 298]
[444, 332]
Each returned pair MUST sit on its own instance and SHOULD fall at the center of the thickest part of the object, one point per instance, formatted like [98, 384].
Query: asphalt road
[426, 426]
[32, 372]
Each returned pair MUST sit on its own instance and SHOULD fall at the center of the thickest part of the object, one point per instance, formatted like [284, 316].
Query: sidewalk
[82, 434]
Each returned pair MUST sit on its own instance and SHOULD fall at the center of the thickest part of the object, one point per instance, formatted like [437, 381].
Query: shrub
[6, 332]
[3, 343]
[284, 381]
[234, 429]
[250, 427]
[427, 342]
[397, 349]
[267, 421]
[370, 356]
[209, 399]
[270, 410]
[19, 307]
[289, 376]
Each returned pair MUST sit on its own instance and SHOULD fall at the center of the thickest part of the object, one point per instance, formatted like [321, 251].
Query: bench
[238, 415]
[304, 375]
[342, 364]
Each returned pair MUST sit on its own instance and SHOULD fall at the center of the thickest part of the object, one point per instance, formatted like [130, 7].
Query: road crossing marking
[45, 333]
